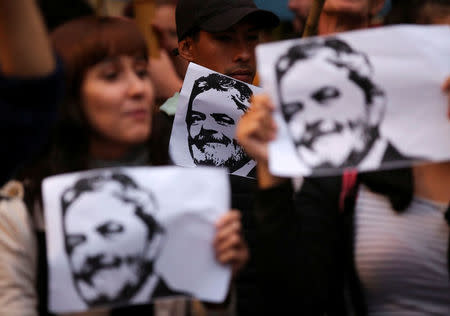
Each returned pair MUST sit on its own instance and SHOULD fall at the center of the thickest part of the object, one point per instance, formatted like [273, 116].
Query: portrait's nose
[209, 125]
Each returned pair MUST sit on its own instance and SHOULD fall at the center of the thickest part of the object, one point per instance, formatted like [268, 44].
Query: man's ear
[376, 6]
[185, 48]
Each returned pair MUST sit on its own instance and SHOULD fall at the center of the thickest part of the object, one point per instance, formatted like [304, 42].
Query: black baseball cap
[218, 15]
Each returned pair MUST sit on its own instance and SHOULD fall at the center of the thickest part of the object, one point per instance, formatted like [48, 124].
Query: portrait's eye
[222, 119]
[110, 228]
[289, 109]
[325, 94]
[196, 117]
[74, 240]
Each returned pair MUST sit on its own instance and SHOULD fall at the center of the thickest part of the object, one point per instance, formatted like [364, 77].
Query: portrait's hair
[220, 82]
[121, 187]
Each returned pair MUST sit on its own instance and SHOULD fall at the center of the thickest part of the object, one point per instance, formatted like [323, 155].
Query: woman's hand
[229, 244]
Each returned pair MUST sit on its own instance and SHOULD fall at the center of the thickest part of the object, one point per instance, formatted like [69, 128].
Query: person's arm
[25, 50]
[31, 84]
[164, 76]
[18, 255]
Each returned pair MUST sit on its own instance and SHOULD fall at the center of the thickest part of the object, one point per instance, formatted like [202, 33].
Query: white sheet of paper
[408, 63]
[102, 226]
[212, 123]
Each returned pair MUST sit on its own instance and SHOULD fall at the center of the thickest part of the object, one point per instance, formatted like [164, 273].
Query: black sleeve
[27, 111]
[298, 237]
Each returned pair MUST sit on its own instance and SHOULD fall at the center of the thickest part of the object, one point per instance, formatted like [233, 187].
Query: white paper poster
[209, 107]
[125, 236]
[367, 99]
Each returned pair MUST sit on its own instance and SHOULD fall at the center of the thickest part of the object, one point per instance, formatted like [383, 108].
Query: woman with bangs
[105, 121]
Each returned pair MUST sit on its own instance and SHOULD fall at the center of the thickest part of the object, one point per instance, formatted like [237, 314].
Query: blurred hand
[446, 89]
[164, 76]
[229, 245]
[257, 128]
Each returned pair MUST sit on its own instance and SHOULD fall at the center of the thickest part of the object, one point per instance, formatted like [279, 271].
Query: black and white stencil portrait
[365, 99]
[119, 241]
[203, 134]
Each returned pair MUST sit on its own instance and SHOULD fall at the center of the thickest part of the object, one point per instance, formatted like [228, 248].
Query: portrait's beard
[326, 144]
[96, 279]
[205, 151]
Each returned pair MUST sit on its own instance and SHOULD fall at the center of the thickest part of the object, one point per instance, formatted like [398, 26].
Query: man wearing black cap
[221, 35]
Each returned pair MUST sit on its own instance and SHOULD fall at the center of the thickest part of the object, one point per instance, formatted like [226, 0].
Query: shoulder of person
[15, 221]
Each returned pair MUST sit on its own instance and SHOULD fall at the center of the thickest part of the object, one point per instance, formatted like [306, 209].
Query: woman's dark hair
[81, 44]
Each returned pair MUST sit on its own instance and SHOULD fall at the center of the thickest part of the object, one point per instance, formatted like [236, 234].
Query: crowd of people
[87, 95]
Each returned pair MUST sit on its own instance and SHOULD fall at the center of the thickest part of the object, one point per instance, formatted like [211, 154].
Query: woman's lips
[139, 114]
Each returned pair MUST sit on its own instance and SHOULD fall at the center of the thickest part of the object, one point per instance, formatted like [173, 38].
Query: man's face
[231, 52]
[164, 22]
[300, 8]
[106, 256]
[326, 115]
[212, 130]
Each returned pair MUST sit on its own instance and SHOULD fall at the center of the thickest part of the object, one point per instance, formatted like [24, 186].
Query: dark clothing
[391, 154]
[28, 110]
[306, 244]
[247, 291]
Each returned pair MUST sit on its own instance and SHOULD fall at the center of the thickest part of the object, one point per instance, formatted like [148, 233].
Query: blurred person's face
[107, 254]
[117, 98]
[231, 52]
[300, 8]
[326, 116]
[164, 22]
[212, 131]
